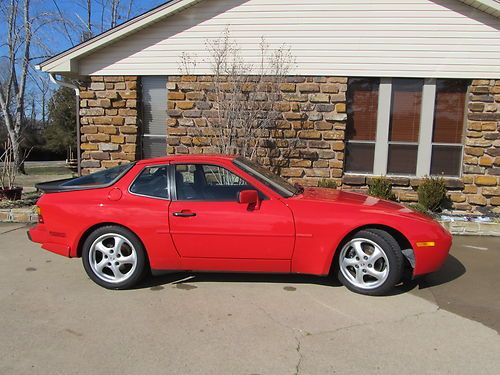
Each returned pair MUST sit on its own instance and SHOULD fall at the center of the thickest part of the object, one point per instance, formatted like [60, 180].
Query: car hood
[360, 202]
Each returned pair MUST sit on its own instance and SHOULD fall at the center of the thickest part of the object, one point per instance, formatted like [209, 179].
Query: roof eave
[67, 62]
[488, 6]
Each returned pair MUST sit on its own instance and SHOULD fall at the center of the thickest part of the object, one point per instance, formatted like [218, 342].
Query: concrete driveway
[54, 320]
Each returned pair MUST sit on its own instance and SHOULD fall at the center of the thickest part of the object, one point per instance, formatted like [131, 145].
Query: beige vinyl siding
[385, 38]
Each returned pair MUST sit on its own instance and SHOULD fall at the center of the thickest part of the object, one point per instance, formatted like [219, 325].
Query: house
[398, 88]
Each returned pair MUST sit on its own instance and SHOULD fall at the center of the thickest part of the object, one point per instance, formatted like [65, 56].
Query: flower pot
[13, 194]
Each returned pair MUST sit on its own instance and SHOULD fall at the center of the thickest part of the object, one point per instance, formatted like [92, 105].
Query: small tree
[8, 169]
[245, 103]
[60, 133]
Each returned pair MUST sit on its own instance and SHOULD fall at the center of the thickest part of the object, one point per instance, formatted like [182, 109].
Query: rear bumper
[431, 259]
[48, 242]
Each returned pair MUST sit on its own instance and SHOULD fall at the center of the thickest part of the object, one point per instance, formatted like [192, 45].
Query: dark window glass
[362, 104]
[152, 182]
[446, 160]
[402, 159]
[362, 108]
[449, 111]
[406, 106]
[359, 157]
[104, 177]
[200, 182]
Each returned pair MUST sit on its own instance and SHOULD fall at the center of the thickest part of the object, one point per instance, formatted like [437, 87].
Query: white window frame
[424, 153]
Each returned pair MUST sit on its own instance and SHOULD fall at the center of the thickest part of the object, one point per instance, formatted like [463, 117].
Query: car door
[206, 220]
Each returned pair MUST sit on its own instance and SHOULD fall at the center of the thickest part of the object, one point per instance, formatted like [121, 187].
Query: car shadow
[451, 270]
[177, 278]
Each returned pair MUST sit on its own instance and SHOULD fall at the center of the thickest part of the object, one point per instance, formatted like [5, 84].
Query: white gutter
[78, 136]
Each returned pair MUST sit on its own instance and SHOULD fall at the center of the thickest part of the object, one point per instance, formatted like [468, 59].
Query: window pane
[208, 183]
[405, 109]
[154, 115]
[449, 110]
[402, 159]
[215, 175]
[152, 182]
[153, 147]
[446, 160]
[362, 104]
[154, 105]
[359, 157]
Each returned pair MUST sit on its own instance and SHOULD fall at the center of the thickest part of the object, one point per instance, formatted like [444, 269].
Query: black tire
[133, 276]
[392, 251]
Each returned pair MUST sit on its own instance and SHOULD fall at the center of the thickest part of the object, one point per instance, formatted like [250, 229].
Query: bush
[329, 184]
[381, 187]
[432, 193]
[419, 208]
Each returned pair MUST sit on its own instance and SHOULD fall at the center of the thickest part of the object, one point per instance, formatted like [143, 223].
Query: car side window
[152, 182]
[206, 182]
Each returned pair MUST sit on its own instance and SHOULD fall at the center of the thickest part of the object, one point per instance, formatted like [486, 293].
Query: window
[362, 103]
[101, 178]
[203, 182]
[405, 126]
[449, 117]
[154, 116]
[152, 182]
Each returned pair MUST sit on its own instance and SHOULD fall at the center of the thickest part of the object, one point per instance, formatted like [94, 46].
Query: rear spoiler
[57, 186]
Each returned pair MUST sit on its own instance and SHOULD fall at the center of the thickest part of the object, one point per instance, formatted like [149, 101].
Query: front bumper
[49, 242]
[431, 259]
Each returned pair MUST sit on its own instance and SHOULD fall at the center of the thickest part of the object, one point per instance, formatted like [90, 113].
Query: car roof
[190, 158]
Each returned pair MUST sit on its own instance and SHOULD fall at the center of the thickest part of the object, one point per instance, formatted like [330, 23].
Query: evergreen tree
[60, 133]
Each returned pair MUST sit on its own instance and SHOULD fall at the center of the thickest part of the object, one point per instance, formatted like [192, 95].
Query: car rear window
[105, 177]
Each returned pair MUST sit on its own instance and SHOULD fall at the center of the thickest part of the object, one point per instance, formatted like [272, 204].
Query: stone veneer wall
[478, 190]
[309, 135]
[109, 118]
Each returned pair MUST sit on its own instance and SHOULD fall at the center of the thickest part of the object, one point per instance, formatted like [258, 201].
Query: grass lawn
[37, 172]
[41, 172]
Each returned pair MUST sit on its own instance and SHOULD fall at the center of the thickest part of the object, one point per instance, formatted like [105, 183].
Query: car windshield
[265, 176]
[105, 177]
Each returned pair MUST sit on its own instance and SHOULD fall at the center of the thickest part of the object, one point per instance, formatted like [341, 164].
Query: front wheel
[370, 262]
[113, 257]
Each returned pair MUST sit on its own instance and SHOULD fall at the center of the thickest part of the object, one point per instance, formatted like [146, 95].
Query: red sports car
[225, 213]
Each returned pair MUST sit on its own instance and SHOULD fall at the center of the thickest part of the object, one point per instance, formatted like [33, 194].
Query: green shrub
[330, 184]
[432, 193]
[381, 187]
[418, 207]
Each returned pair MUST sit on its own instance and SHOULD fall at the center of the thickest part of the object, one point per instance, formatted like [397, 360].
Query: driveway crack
[298, 334]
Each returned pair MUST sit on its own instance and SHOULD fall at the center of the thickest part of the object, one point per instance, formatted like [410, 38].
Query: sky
[65, 36]
[58, 25]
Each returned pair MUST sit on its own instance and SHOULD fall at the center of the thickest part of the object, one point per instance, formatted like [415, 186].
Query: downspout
[78, 135]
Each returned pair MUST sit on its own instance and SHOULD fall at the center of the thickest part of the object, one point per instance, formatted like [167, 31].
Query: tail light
[38, 211]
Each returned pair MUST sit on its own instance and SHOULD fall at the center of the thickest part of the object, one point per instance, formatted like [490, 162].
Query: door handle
[184, 214]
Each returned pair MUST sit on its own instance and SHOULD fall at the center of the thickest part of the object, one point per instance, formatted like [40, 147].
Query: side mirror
[250, 197]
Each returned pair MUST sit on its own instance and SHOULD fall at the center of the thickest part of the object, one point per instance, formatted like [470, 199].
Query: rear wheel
[370, 262]
[113, 257]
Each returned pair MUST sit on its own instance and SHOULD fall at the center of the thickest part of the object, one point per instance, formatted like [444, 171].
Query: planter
[13, 194]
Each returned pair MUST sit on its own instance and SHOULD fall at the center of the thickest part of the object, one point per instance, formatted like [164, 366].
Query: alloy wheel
[364, 263]
[113, 258]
